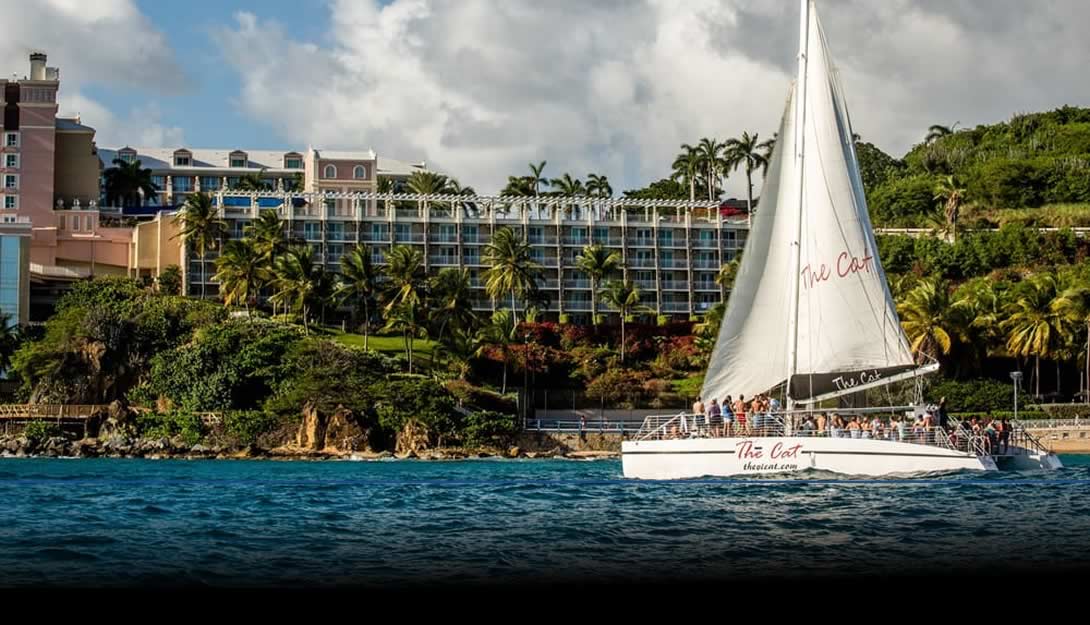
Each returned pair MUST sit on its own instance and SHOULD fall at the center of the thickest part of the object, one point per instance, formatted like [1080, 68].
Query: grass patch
[423, 349]
[1047, 216]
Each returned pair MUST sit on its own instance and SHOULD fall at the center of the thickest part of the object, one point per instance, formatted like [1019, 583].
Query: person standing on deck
[698, 407]
[944, 418]
[728, 415]
[740, 412]
[713, 415]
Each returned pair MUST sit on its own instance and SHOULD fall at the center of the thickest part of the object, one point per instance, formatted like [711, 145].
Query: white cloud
[105, 42]
[479, 88]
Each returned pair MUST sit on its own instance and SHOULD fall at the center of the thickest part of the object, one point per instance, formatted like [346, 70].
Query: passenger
[854, 429]
[1005, 435]
[714, 414]
[808, 426]
[821, 425]
[756, 417]
[876, 427]
[902, 428]
[834, 426]
[740, 414]
[698, 407]
[728, 416]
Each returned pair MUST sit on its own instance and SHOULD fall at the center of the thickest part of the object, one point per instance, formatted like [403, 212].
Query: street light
[1016, 377]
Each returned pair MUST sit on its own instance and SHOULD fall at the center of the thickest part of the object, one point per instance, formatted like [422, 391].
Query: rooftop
[272, 160]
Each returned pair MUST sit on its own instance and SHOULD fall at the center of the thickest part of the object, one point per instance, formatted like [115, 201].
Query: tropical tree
[405, 279]
[1073, 304]
[9, 340]
[240, 273]
[500, 333]
[706, 332]
[427, 183]
[408, 318]
[598, 263]
[267, 234]
[687, 169]
[535, 178]
[299, 283]
[749, 153]
[624, 297]
[200, 227]
[511, 270]
[170, 280]
[936, 132]
[452, 297]
[728, 272]
[252, 182]
[598, 186]
[928, 320]
[519, 186]
[711, 160]
[1035, 326]
[457, 348]
[358, 285]
[951, 192]
[567, 186]
[126, 182]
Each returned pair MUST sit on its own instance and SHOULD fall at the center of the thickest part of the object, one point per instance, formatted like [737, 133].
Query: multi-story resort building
[671, 250]
[58, 228]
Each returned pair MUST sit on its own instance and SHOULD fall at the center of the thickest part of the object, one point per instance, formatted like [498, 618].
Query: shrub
[976, 395]
[480, 398]
[245, 426]
[403, 398]
[169, 425]
[617, 388]
[489, 428]
[37, 432]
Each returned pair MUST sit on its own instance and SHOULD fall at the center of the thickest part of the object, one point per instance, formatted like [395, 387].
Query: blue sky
[481, 88]
[209, 113]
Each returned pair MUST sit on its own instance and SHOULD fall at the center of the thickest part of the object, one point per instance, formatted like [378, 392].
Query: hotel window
[336, 231]
[601, 235]
[11, 181]
[537, 234]
[644, 237]
[293, 162]
[311, 231]
[127, 157]
[378, 232]
[238, 159]
[159, 182]
[359, 172]
[11, 139]
[329, 172]
[210, 183]
[403, 232]
[182, 184]
[666, 237]
[11, 161]
[579, 235]
[473, 256]
[238, 162]
[11, 202]
[469, 233]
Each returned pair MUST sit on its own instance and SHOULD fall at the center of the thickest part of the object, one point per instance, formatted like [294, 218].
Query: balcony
[673, 263]
[580, 241]
[641, 242]
[409, 238]
[542, 240]
[577, 284]
[549, 284]
[704, 244]
[642, 263]
[680, 307]
[443, 238]
[706, 286]
[474, 261]
[577, 305]
[704, 264]
[675, 285]
[645, 284]
[443, 260]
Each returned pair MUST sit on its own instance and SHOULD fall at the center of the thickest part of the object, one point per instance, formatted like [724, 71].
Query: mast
[796, 244]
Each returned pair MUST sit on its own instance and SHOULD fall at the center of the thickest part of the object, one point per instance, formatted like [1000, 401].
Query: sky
[480, 88]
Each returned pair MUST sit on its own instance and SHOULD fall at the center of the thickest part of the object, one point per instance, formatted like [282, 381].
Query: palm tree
[711, 160]
[1034, 325]
[535, 178]
[567, 186]
[927, 318]
[598, 263]
[267, 235]
[501, 332]
[452, 294]
[624, 296]
[1073, 304]
[299, 283]
[359, 284]
[252, 182]
[455, 188]
[687, 168]
[200, 227]
[126, 182]
[749, 153]
[951, 192]
[598, 186]
[728, 272]
[426, 183]
[936, 132]
[407, 317]
[707, 331]
[519, 186]
[456, 349]
[240, 272]
[510, 268]
[405, 278]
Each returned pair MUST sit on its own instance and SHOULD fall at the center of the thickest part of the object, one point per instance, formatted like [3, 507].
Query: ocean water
[116, 522]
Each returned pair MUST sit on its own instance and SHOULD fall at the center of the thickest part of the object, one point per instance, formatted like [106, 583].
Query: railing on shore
[605, 426]
[20, 412]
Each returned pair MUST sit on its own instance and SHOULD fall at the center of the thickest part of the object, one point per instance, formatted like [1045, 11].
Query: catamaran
[811, 319]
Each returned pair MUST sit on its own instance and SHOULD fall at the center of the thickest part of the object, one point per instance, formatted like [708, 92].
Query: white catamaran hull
[721, 457]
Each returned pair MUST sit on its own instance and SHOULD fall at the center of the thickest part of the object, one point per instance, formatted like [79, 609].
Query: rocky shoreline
[176, 448]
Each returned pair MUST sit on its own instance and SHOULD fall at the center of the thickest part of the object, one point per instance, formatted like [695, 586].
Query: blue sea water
[113, 522]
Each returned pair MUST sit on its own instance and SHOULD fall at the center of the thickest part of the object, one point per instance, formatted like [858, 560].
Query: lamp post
[1016, 377]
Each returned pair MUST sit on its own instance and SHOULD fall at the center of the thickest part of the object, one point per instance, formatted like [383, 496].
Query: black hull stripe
[803, 453]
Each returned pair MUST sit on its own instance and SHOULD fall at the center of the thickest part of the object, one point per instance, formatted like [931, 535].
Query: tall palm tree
[267, 235]
[535, 178]
[711, 160]
[359, 284]
[201, 227]
[598, 263]
[951, 192]
[687, 169]
[624, 296]
[455, 188]
[452, 294]
[928, 320]
[519, 186]
[252, 182]
[405, 278]
[409, 318]
[598, 186]
[501, 332]
[1074, 304]
[125, 182]
[728, 272]
[511, 270]
[1034, 325]
[240, 272]
[456, 349]
[299, 283]
[749, 153]
[567, 186]
[936, 132]
[426, 183]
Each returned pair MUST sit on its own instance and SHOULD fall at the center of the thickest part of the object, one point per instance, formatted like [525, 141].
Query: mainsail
[846, 334]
